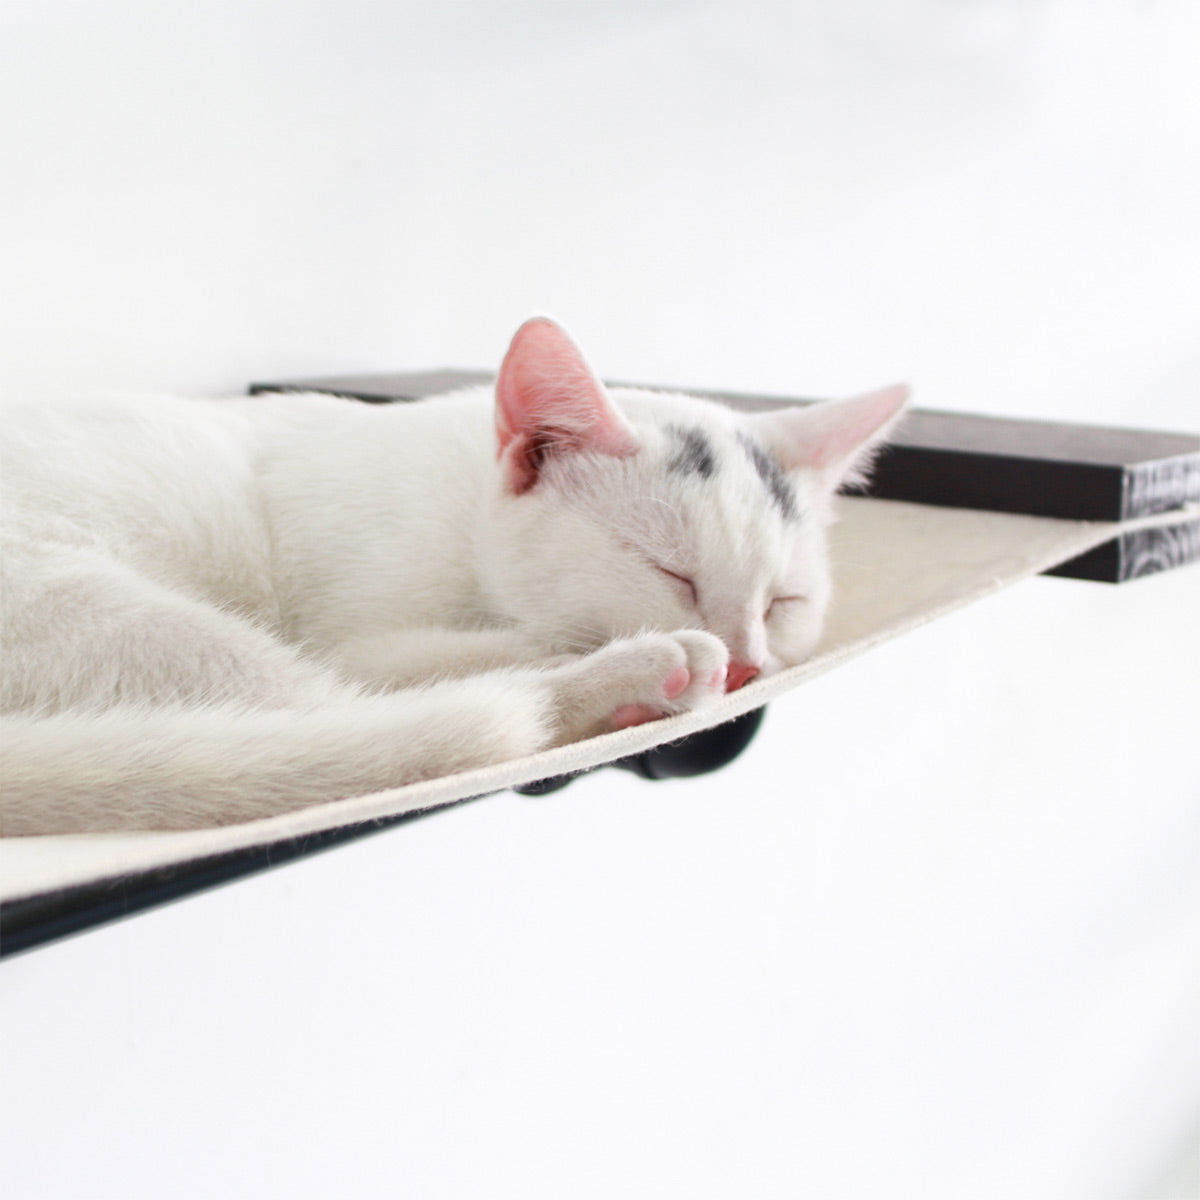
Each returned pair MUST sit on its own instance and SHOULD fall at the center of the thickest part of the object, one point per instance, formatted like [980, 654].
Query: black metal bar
[35, 920]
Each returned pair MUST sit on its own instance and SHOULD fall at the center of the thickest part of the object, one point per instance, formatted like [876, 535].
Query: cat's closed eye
[781, 604]
[685, 584]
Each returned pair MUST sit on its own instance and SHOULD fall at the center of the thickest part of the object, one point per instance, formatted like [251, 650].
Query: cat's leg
[84, 631]
[124, 768]
[184, 768]
[626, 682]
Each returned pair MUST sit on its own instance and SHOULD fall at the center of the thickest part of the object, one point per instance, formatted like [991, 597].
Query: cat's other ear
[836, 439]
[549, 401]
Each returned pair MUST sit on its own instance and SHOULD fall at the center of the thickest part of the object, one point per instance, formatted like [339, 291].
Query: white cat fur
[215, 611]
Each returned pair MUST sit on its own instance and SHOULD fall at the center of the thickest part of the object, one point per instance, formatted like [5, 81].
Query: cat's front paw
[639, 679]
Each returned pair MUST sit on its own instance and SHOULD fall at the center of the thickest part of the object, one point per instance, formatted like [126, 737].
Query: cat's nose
[740, 674]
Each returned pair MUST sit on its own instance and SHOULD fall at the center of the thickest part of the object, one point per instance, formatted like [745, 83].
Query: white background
[938, 933]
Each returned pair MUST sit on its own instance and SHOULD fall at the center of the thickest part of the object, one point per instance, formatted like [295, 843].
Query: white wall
[936, 935]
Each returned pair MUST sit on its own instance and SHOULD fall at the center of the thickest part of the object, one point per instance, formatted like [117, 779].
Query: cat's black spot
[772, 475]
[694, 454]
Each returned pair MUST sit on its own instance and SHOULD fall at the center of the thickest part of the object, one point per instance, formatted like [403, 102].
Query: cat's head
[621, 510]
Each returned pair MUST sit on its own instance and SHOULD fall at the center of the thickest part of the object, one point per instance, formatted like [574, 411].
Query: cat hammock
[1090, 503]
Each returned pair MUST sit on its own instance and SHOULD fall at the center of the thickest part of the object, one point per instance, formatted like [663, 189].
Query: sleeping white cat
[219, 610]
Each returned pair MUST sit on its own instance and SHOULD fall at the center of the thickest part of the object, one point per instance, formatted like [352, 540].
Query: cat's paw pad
[707, 669]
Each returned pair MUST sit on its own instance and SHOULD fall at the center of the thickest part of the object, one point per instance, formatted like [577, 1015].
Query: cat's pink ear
[548, 401]
[837, 439]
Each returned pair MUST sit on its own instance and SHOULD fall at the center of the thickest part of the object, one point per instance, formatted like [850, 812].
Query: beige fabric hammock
[896, 566]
